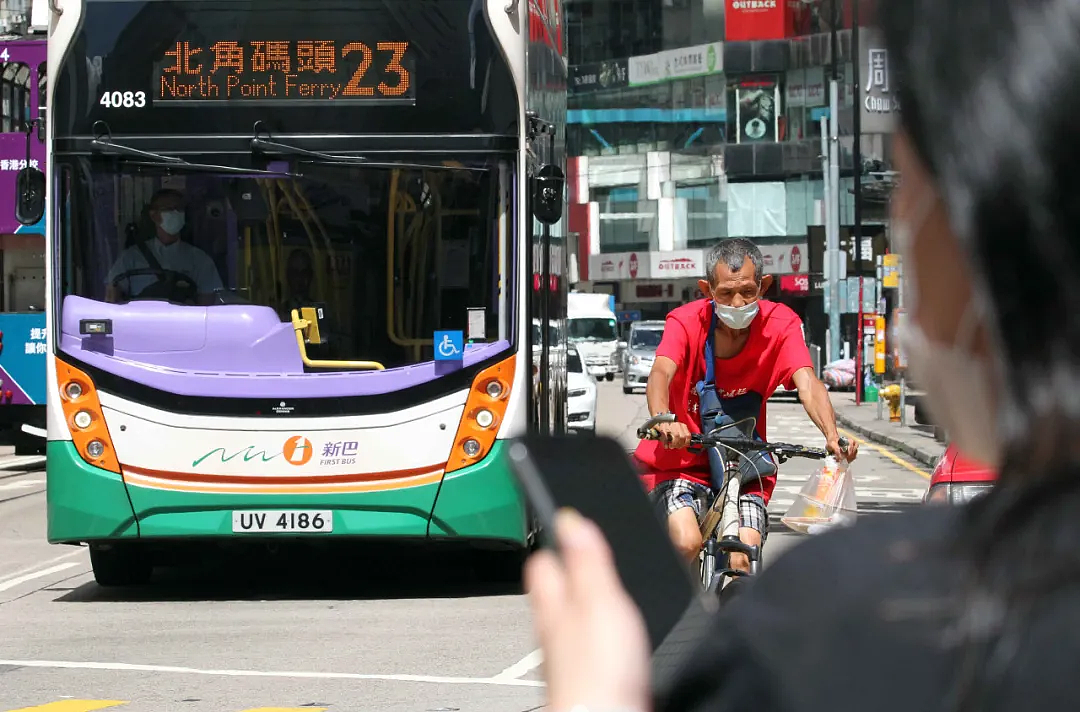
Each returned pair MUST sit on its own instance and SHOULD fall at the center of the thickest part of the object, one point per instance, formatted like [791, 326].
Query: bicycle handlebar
[745, 445]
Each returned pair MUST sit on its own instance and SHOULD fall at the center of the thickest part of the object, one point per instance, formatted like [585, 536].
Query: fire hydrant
[892, 395]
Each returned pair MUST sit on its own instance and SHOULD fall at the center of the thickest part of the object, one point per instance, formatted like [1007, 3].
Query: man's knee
[685, 534]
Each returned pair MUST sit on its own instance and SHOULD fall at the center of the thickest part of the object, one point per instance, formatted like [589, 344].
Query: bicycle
[722, 514]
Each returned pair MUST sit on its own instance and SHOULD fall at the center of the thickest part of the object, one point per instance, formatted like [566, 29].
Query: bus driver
[167, 253]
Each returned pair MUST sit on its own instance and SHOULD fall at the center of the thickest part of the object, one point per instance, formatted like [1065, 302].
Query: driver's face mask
[172, 221]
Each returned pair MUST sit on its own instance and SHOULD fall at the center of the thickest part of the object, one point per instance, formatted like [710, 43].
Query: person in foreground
[756, 345]
[940, 608]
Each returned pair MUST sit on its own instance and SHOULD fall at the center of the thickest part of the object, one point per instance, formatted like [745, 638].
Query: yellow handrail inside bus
[411, 246]
[308, 325]
[395, 322]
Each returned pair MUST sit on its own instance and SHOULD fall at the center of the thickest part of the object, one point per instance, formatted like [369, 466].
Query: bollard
[891, 395]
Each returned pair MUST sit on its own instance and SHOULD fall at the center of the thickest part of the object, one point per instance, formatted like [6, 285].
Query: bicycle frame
[723, 515]
[723, 512]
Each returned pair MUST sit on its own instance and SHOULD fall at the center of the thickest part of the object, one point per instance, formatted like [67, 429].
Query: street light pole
[856, 157]
[831, 179]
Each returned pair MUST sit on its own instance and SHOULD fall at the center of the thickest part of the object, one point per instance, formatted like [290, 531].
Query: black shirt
[878, 618]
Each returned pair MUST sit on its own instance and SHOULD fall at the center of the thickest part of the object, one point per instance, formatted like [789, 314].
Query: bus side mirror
[29, 195]
[547, 194]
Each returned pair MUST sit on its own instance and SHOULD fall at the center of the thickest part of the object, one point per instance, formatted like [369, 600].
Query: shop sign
[681, 63]
[747, 20]
[598, 76]
[785, 259]
[795, 284]
[617, 265]
[677, 264]
[879, 101]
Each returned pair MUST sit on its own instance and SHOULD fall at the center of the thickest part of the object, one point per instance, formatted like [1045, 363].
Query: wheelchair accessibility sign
[449, 345]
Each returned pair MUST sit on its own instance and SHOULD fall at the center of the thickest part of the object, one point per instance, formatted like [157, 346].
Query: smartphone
[595, 476]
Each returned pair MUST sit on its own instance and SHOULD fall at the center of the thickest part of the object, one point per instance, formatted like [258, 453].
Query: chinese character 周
[877, 74]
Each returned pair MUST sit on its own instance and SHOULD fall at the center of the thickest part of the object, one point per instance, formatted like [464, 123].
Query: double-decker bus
[295, 250]
[22, 247]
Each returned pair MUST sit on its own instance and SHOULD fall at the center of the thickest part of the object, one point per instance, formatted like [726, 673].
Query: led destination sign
[285, 71]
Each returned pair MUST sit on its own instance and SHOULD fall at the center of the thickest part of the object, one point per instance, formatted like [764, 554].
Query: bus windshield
[388, 255]
[592, 329]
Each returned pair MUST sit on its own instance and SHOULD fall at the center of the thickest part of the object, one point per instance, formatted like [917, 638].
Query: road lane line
[286, 709]
[73, 706]
[882, 451]
[525, 665]
[28, 569]
[132, 667]
[21, 484]
[12, 583]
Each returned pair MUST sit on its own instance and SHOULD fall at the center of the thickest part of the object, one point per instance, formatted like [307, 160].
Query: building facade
[691, 121]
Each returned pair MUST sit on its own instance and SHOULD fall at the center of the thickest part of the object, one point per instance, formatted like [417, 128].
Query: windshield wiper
[116, 149]
[259, 144]
[102, 144]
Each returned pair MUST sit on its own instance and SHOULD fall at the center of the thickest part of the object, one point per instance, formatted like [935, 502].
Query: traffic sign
[449, 345]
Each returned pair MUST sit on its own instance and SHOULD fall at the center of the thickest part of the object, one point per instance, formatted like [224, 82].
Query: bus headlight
[471, 447]
[484, 418]
[484, 411]
[82, 411]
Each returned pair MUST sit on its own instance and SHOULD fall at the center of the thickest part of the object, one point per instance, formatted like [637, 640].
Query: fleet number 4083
[123, 99]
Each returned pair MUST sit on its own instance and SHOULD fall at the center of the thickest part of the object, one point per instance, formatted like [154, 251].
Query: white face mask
[172, 221]
[958, 383]
[737, 317]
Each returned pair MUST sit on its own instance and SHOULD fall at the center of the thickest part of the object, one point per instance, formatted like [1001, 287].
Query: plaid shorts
[672, 495]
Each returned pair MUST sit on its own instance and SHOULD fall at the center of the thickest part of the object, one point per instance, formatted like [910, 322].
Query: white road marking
[28, 569]
[130, 667]
[12, 583]
[526, 664]
[870, 493]
[22, 462]
[21, 484]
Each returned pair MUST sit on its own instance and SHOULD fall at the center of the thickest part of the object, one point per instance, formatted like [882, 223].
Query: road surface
[388, 630]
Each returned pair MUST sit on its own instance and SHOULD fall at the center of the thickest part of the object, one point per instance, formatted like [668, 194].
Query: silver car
[640, 353]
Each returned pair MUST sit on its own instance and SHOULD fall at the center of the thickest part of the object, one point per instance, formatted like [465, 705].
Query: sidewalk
[916, 441]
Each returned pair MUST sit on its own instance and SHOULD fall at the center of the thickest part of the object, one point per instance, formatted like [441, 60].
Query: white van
[591, 328]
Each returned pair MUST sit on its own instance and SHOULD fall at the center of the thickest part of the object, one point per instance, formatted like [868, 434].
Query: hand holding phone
[595, 477]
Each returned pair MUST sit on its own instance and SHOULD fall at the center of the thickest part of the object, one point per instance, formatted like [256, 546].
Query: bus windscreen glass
[390, 256]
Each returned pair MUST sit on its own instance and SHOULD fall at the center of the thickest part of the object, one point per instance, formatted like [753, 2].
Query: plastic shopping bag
[827, 500]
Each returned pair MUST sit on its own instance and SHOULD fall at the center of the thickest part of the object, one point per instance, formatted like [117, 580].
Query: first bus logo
[298, 450]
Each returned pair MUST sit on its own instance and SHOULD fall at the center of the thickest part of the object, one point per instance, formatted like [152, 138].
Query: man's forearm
[656, 393]
[819, 407]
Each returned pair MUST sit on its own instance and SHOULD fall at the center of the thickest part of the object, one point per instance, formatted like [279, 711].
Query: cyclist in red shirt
[757, 345]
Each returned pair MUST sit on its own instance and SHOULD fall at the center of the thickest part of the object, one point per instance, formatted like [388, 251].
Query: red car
[957, 480]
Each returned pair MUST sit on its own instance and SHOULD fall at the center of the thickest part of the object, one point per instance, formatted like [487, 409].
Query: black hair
[161, 193]
[974, 79]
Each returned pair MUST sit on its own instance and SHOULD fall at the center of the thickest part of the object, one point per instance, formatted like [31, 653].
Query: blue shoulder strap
[710, 376]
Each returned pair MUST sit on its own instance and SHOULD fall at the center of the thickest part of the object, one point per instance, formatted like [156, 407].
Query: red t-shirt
[773, 352]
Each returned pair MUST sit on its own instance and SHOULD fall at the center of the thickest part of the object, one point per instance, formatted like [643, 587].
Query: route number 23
[393, 66]
[123, 99]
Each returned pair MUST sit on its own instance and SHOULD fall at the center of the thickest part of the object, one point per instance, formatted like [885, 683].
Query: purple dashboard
[227, 351]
